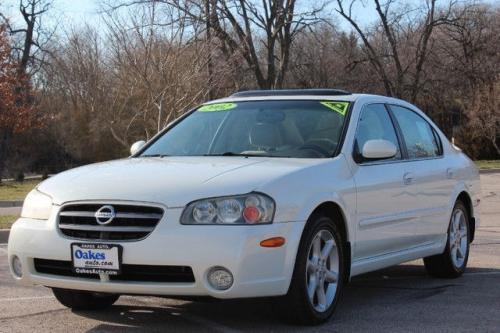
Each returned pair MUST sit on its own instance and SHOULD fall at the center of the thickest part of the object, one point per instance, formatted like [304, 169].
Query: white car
[286, 193]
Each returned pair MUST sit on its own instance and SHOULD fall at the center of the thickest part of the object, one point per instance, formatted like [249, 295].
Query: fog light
[220, 278]
[17, 267]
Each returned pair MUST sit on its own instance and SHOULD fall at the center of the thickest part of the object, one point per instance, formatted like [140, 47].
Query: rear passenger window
[420, 138]
[374, 124]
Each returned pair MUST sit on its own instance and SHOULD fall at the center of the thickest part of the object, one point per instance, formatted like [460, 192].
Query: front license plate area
[89, 258]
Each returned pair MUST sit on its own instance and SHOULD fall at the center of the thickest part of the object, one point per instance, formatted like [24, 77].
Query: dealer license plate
[96, 258]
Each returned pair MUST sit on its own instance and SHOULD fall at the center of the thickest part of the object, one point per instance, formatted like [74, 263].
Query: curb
[483, 171]
[4, 235]
[25, 178]
[11, 203]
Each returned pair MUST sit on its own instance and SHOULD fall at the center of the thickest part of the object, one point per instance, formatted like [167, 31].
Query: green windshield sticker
[217, 107]
[340, 107]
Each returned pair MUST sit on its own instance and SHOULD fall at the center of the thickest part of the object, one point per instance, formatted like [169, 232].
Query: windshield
[301, 129]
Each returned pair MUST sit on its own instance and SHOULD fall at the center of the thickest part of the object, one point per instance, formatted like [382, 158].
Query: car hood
[171, 181]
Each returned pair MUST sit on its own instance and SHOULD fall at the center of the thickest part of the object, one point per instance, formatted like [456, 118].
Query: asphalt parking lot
[401, 298]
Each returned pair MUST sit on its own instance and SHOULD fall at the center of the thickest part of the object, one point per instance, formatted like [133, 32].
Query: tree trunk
[209, 49]
[4, 143]
[497, 148]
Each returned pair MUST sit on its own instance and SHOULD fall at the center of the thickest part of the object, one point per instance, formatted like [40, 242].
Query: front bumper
[257, 271]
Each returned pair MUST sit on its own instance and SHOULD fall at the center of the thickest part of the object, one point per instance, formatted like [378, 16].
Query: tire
[452, 262]
[297, 307]
[84, 300]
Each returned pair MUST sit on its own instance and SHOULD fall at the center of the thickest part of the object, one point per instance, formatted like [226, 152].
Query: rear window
[420, 138]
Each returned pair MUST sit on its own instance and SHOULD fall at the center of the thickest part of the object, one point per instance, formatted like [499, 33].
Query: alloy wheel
[322, 271]
[458, 238]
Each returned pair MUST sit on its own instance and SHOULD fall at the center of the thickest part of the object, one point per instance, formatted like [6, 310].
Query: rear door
[433, 177]
[385, 198]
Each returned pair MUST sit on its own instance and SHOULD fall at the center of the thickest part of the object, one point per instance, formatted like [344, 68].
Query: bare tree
[408, 37]
[159, 64]
[260, 32]
[152, 60]
[127, 83]
[277, 20]
[484, 115]
[32, 35]
[467, 57]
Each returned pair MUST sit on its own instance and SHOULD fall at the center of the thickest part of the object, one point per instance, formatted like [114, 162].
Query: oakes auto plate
[96, 258]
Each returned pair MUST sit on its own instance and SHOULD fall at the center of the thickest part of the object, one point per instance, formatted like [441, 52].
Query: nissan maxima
[285, 194]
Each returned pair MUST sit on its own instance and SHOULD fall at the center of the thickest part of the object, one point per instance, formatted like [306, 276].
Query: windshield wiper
[230, 153]
[153, 155]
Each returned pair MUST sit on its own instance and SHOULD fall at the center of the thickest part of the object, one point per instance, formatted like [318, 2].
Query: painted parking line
[190, 317]
[406, 277]
[482, 273]
[14, 299]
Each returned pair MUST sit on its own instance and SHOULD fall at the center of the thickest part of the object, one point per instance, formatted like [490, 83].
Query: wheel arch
[334, 211]
[465, 198]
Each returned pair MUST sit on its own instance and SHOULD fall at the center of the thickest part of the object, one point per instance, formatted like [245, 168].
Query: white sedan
[286, 193]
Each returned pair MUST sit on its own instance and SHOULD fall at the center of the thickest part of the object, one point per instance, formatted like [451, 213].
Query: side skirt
[386, 260]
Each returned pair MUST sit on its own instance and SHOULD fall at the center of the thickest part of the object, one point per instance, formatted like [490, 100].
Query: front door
[385, 190]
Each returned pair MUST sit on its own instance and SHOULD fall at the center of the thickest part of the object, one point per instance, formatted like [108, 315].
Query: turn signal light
[273, 242]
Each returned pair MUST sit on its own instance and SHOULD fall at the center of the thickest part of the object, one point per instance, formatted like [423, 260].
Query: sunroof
[291, 92]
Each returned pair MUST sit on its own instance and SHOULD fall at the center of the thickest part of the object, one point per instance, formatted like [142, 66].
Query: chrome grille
[130, 222]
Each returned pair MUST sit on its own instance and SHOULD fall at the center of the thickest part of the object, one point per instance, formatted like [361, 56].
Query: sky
[74, 13]
[68, 13]
[63, 12]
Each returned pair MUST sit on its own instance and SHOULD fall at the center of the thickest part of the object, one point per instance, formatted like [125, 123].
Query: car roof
[304, 94]
[290, 92]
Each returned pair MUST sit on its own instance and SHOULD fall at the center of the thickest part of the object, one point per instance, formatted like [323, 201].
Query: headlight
[37, 206]
[253, 208]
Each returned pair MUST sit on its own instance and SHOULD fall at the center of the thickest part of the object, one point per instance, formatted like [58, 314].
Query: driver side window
[374, 124]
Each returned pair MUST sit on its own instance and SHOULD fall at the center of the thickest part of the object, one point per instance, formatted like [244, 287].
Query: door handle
[408, 178]
[450, 173]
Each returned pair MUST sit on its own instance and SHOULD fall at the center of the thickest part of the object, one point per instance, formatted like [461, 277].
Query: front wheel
[318, 276]
[453, 261]
[84, 300]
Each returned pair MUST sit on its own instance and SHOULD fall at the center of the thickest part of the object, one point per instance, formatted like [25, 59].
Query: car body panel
[385, 216]
[257, 271]
[172, 181]
[386, 221]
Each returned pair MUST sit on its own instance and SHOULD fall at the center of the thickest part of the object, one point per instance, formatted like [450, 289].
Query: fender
[462, 187]
[306, 211]
[318, 199]
[459, 188]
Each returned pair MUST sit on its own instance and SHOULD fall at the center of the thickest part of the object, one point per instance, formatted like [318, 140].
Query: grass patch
[488, 164]
[7, 220]
[16, 190]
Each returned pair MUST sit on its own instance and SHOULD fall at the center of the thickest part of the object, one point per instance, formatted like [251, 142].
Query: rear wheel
[318, 275]
[84, 300]
[453, 261]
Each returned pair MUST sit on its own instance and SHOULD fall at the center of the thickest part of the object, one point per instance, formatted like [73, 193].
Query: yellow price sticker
[340, 107]
[217, 107]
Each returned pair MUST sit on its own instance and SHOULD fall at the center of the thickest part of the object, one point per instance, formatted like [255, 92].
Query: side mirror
[379, 149]
[136, 147]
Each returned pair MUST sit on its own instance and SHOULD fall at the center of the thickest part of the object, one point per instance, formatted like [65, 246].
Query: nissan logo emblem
[105, 214]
